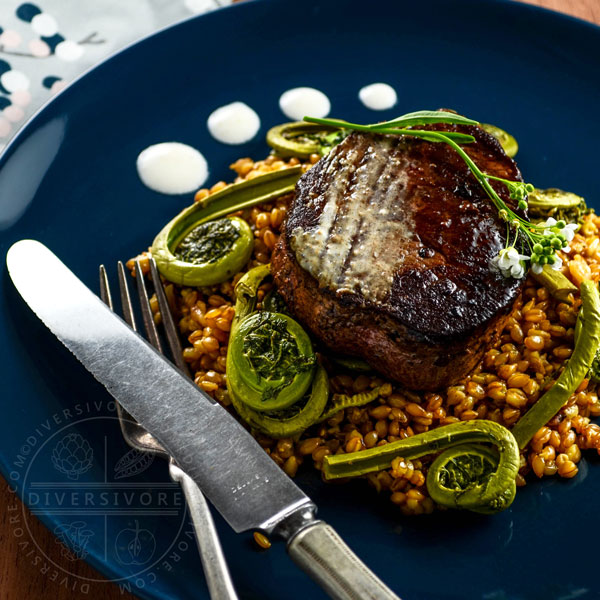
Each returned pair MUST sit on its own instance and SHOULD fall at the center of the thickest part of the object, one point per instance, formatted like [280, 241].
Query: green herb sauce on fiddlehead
[208, 242]
[274, 302]
[216, 248]
[465, 475]
[270, 348]
[272, 361]
[302, 139]
[557, 204]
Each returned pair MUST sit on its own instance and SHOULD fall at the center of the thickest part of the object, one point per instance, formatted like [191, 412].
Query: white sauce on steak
[356, 245]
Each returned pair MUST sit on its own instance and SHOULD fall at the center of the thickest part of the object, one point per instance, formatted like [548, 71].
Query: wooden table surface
[24, 577]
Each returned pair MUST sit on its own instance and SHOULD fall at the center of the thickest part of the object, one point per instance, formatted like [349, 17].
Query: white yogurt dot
[44, 25]
[14, 81]
[234, 123]
[304, 102]
[172, 168]
[378, 96]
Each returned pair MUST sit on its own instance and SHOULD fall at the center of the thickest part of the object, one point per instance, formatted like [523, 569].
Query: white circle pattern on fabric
[14, 81]
[44, 25]
[39, 48]
[21, 97]
[13, 113]
[5, 127]
[10, 38]
[69, 51]
[200, 6]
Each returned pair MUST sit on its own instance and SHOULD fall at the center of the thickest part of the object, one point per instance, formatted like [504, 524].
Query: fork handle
[218, 578]
[322, 553]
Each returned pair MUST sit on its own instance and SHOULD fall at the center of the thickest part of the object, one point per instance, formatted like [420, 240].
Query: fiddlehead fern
[465, 475]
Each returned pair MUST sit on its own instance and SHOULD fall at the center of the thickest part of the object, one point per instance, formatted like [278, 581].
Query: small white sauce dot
[172, 168]
[301, 102]
[233, 124]
[378, 96]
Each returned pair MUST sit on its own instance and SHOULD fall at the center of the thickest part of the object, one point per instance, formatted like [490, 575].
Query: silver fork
[215, 567]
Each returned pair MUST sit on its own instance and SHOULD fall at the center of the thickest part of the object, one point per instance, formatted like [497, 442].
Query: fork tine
[149, 324]
[167, 319]
[126, 421]
[213, 561]
[105, 288]
[125, 297]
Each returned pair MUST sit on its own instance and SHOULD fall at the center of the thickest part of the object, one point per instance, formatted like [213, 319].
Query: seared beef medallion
[386, 255]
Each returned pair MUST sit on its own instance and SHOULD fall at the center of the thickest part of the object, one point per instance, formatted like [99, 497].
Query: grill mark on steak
[342, 230]
[380, 228]
[420, 217]
[357, 243]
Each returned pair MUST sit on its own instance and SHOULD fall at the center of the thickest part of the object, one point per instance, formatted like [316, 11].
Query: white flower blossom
[510, 263]
[569, 231]
[548, 224]
[537, 268]
[558, 263]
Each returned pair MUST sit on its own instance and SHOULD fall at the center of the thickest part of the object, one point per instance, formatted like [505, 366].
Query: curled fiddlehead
[465, 475]
[204, 244]
[276, 390]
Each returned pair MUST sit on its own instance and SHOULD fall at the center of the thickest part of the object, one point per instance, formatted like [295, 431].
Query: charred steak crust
[386, 253]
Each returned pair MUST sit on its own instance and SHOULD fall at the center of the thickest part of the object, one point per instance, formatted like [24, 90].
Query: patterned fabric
[43, 46]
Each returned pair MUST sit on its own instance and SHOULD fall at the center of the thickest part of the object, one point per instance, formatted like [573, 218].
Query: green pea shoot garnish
[543, 239]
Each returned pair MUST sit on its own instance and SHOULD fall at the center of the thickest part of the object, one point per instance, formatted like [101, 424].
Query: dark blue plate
[69, 180]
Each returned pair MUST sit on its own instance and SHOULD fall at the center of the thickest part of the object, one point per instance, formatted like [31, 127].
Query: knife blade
[245, 486]
[233, 471]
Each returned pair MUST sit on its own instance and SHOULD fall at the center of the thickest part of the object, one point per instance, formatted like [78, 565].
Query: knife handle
[216, 572]
[322, 554]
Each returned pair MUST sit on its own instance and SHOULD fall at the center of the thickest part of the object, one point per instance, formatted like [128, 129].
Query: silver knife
[233, 471]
